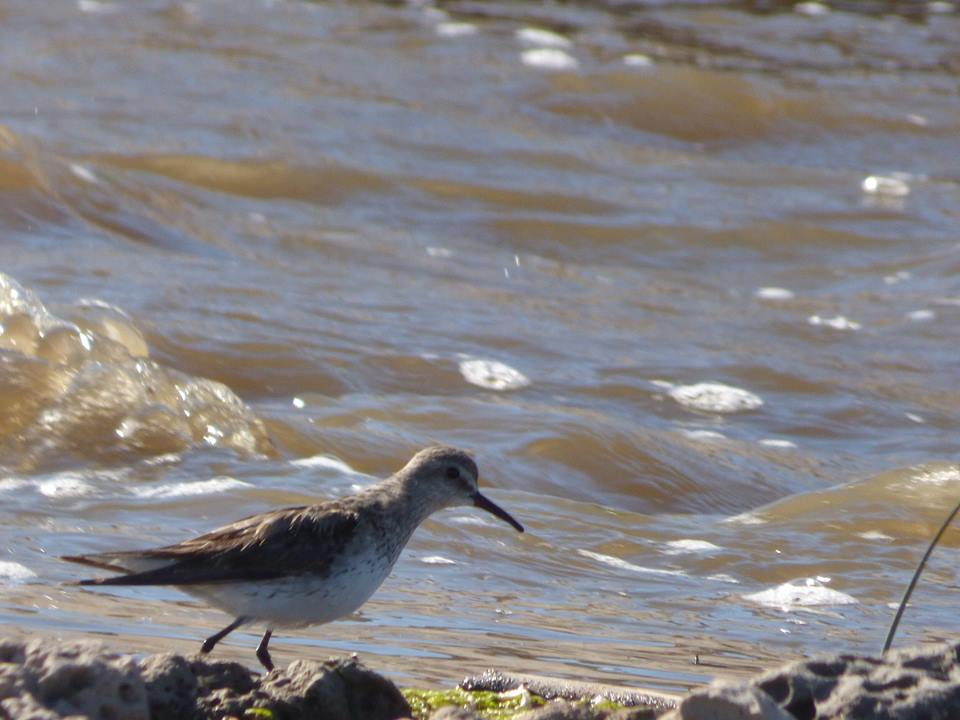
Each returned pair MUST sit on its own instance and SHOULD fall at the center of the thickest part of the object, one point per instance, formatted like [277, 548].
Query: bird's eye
[453, 473]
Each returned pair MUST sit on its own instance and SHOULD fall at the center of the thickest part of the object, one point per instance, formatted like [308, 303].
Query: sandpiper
[305, 565]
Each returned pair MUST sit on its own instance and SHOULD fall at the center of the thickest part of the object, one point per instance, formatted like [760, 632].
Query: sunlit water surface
[684, 279]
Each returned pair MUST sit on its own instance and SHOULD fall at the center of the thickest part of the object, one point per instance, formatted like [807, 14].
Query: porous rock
[730, 701]
[917, 683]
[26, 707]
[566, 689]
[556, 710]
[565, 710]
[224, 689]
[451, 712]
[39, 678]
[562, 710]
[171, 687]
[339, 689]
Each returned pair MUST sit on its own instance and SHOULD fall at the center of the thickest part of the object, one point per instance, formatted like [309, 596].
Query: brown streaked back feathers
[301, 539]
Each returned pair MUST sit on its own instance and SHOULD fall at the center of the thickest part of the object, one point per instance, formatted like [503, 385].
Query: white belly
[296, 601]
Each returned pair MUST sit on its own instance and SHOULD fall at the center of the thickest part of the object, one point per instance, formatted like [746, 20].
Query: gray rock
[224, 689]
[729, 701]
[565, 689]
[12, 651]
[634, 713]
[25, 707]
[71, 678]
[171, 687]
[340, 689]
[918, 683]
[451, 712]
[562, 710]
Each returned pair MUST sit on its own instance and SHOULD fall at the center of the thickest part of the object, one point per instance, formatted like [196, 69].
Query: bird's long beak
[481, 501]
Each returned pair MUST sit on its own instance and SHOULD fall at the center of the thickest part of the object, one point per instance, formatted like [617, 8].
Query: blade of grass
[916, 576]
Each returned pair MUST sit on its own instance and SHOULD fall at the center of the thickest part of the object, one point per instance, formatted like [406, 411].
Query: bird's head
[447, 477]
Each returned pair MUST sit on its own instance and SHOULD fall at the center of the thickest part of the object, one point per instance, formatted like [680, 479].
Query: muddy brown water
[683, 277]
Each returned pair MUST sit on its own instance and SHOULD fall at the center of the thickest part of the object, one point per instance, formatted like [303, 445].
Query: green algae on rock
[490, 705]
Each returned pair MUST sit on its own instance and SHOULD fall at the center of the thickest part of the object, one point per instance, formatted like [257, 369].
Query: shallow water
[684, 279]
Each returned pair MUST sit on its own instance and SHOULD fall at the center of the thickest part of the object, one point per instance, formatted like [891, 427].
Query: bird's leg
[211, 641]
[263, 655]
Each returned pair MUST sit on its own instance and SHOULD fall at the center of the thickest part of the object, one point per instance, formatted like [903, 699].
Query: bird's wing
[260, 547]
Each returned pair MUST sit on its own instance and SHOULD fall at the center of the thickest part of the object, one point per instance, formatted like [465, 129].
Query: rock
[562, 710]
[635, 713]
[565, 710]
[171, 687]
[72, 678]
[43, 680]
[729, 701]
[557, 710]
[341, 689]
[564, 689]
[224, 689]
[26, 707]
[919, 683]
[455, 713]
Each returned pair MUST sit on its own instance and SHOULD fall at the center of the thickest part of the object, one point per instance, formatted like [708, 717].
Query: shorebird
[304, 565]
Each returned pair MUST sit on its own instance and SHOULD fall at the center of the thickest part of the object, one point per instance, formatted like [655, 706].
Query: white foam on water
[778, 443]
[95, 7]
[638, 60]
[811, 9]
[940, 7]
[165, 459]
[66, 484]
[893, 185]
[724, 578]
[542, 38]
[476, 520]
[807, 592]
[773, 293]
[747, 518]
[84, 173]
[704, 435]
[14, 572]
[715, 397]
[437, 560]
[922, 315]
[689, 545]
[897, 277]
[913, 417]
[439, 252]
[875, 535]
[548, 59]
[938, 477]
[298, 402]
[455, 29]
[837, 323]
[327, 462]
[492, 375]
[187, 489]
[616, 562]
